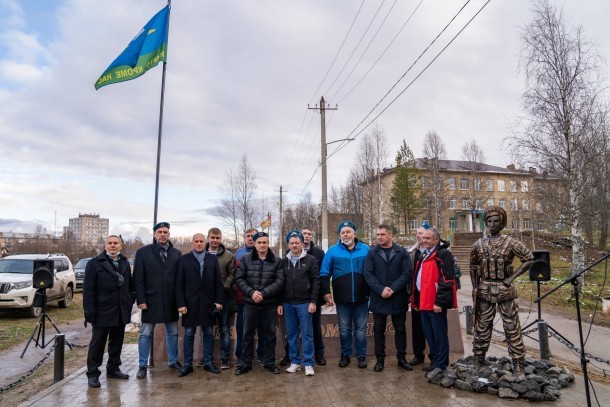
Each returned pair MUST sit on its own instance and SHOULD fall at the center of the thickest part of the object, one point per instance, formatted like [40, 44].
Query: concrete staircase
[460, 247]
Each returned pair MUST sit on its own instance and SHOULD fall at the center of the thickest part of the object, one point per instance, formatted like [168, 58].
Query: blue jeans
[225, 331]
[358, 315]
[171, 338]
[436, 331]
[295, 315]
[189, 343]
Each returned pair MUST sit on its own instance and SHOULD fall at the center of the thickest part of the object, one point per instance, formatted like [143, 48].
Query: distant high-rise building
[87, 228]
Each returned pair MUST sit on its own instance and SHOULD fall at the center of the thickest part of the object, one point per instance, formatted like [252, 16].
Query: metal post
[58, 363]
[468, 315]
[543, 340]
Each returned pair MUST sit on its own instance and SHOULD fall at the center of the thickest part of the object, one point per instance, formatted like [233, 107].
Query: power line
[409, 85]
[382, 54]
[365, 50]
[337, 54]
[340, 146]
[296, 144]
[356, 47]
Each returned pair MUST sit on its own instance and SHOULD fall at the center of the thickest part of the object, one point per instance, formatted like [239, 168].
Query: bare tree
[380, 154]
[473, 157]
[364, 174]
[228, 210]
[561, 101]
[434, 151]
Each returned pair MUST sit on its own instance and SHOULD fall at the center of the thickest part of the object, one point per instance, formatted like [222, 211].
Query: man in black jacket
[299, 297]
[199, 295]
[154, 274]
[388, 271]
[108, 295]
[260, 278]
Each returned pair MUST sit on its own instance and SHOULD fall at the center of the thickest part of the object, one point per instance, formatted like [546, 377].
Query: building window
[453, 224]
[413, 224]
[526, 205]
[451, 183]
[527, 224]
[515, 224]
[514, 205]
[501, 185]
[490, 202]
[513, 186]
[452, 203]
[465, 204]
[424, 182]
[463, 183]
[502, 203]
[538, 207]
[489, 185]
[425, 203]
[477, 184]
[541, 225]
[477, 204]
[525, 186]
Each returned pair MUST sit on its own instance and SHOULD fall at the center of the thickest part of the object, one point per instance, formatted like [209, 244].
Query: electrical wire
[356, 47]
[364, 52]
[381, 55]
[342, 145]
[338, 52]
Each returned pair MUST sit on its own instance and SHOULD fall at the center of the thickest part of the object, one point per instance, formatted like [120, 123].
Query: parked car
[79, 270]
[17, 290]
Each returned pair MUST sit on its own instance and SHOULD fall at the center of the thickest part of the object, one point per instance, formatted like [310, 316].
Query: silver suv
[17, 291]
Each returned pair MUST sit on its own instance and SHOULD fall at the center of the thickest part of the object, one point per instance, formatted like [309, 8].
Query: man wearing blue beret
[344, 263]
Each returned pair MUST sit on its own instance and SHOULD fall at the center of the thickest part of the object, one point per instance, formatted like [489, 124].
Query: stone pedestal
[330, 333]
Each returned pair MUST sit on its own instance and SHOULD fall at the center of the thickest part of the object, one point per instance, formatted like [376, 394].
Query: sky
[240, 76]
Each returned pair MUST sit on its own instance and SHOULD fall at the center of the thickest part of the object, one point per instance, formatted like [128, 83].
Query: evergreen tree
[406, 190]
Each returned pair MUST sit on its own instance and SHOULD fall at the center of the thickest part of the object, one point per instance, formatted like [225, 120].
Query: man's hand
[257, 296]
[437, 309]
[329, 299]
[218, 306]
[311, 308]
[280, 310]
[182, 310]
[387, 292]
[142, 306]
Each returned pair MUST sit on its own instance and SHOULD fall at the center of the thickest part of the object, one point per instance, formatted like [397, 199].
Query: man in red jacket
[433, 294]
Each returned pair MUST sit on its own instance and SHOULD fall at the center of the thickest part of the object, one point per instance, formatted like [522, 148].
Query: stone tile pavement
[331, 386]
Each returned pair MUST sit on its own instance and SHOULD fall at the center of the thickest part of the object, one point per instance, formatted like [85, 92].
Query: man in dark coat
[108, 295]
[260, 278]
[199, 295]
[387, 271]
[154, 274]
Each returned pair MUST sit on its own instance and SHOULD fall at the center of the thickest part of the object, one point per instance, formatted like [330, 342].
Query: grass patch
[15, 327]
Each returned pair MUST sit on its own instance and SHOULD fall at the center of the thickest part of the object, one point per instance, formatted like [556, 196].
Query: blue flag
[143, 52]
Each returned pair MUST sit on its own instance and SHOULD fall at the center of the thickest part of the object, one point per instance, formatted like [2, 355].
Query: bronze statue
[492, 275]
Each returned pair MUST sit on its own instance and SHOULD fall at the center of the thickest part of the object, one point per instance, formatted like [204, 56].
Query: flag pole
[151, 358]
[169, 3]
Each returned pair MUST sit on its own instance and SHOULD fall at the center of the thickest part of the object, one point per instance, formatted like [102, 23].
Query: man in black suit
[108, 295]
[199, 295]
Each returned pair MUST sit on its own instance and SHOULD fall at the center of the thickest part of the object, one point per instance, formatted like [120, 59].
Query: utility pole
[323, 109]
[281, 253]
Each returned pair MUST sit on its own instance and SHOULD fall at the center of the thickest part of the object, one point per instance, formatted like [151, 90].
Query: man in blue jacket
[344, 264]
[388, 271]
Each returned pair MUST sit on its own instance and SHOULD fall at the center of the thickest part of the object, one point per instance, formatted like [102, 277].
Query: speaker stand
[40, 328]
[539, 319]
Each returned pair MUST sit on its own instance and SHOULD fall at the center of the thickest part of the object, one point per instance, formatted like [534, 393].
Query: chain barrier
[563, 342]
[29, 372]
[575, 349]
[74, 345]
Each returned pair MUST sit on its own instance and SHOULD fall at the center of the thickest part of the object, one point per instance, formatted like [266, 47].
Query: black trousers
[252, 316]
[99, 335]
[318, 343]
[400, 334]
[417, 334]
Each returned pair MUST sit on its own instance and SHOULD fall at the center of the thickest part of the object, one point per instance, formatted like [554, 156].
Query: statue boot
[479, 361]
[519, 369]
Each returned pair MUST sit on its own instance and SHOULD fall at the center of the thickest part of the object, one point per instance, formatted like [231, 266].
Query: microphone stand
[574, 281]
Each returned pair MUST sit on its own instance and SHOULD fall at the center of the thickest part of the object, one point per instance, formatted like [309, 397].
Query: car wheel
[34, 312]
[65, 303]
